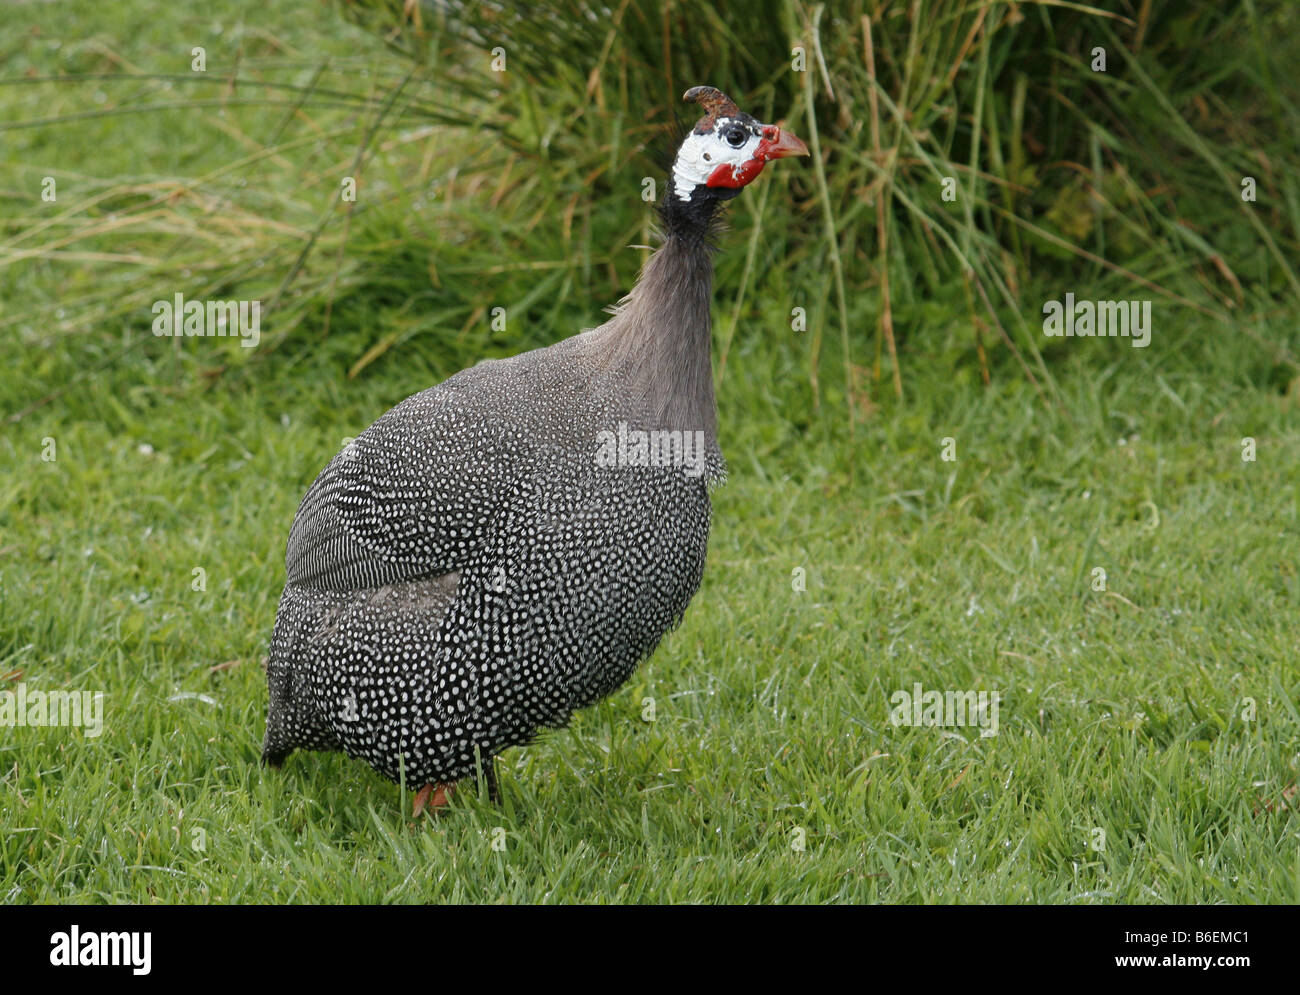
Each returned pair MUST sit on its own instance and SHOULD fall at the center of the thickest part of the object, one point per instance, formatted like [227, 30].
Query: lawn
[1107, 553]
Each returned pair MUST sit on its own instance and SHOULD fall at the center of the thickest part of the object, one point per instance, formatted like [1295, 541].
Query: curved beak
[778, 144]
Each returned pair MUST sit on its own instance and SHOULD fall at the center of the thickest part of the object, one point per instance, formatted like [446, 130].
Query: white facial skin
[700, 155]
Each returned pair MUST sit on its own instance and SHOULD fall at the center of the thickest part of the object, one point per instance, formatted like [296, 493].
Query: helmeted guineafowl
[506, 547]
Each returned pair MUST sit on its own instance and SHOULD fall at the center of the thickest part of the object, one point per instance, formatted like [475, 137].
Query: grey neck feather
[660, 337]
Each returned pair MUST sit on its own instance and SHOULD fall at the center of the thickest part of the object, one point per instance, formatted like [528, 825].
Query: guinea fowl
[506, 547]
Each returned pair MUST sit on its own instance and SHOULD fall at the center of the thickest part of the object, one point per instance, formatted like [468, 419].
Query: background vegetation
[1160, 711]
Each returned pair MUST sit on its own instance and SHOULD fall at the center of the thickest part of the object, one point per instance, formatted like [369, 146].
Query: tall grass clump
[968, 153]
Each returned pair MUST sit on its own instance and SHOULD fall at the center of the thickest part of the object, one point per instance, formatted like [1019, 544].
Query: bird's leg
[490, 773]
[432, 796]
[421, 799]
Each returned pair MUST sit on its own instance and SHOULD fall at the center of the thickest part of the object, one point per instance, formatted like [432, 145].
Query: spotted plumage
[506, 547]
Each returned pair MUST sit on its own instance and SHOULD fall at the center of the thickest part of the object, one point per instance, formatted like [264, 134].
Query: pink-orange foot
[432, 796]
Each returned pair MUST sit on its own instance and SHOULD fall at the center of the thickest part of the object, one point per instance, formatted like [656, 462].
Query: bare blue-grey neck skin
[660, 335]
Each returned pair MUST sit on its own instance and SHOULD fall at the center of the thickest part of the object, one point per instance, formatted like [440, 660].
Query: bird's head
[726, 149]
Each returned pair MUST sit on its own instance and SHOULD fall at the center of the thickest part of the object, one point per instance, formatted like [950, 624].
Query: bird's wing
[414, 495]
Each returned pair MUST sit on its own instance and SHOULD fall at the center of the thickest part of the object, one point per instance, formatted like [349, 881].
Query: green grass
[1121, 711]
[1161, 711]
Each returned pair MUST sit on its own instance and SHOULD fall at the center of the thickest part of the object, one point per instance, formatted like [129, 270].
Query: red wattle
[735, 176]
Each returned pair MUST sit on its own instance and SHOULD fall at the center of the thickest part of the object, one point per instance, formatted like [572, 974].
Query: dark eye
[736, 137]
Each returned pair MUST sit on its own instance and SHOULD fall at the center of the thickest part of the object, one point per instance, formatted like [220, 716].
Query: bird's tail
[293, 722]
